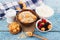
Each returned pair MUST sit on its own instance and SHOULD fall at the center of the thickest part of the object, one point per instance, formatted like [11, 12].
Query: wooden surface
[54, 34]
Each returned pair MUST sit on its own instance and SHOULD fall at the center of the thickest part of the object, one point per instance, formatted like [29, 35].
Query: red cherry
[43, 20]
[40, 25]
[39, 22]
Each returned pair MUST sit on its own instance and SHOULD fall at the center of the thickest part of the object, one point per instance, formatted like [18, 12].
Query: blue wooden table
[54, 34]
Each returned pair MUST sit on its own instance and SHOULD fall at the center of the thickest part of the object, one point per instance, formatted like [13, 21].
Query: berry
[40, 25]
[46, 24]
[43, 20]
[46, 29]
[39, 22]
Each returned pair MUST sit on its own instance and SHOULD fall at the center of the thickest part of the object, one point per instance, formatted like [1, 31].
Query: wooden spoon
[32, 34]
[43, 38]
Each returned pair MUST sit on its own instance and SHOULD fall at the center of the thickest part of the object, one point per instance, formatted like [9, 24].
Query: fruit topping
[43, 20]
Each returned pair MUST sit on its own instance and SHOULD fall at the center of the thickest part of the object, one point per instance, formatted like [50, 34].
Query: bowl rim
[47, 21]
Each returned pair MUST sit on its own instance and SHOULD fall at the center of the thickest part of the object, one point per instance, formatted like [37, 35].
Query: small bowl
[47, 21]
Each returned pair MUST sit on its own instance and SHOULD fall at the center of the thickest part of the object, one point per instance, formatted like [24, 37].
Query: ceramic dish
[44, 24]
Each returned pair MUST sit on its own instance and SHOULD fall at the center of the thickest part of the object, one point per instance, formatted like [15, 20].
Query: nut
[49, 26]
[14, 28]
[42, 29]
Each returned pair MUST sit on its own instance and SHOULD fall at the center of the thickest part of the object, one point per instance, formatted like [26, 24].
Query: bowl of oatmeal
[26, 16]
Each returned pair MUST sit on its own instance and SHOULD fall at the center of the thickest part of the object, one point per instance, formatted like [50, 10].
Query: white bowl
[44, 11]
[39, 29]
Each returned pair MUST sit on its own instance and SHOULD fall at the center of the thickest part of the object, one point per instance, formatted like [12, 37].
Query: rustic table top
[54, 34]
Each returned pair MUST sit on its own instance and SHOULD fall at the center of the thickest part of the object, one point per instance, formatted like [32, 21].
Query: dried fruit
[49, 26]
[42, 29]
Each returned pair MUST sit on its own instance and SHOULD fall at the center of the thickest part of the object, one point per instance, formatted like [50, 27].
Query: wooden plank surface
[54, 34]
[49, 35]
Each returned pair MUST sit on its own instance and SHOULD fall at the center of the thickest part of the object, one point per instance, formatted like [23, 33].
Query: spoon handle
[43, 38]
